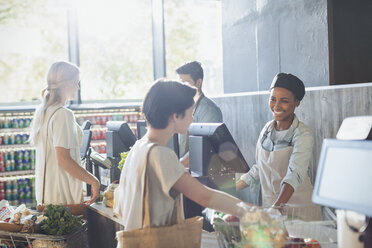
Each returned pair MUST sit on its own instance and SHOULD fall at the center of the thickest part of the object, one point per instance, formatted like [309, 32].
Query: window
[33, 35]
[115, 40]
[115, 45]
[193, 32]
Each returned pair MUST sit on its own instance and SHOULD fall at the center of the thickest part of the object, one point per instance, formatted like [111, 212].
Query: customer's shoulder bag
[186, 233]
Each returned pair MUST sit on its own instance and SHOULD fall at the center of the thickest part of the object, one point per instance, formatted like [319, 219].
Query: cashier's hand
[94, 192]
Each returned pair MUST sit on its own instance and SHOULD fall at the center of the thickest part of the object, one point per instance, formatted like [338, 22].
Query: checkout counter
[102, 226]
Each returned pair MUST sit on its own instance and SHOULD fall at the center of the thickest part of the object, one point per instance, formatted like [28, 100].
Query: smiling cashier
[283, 150]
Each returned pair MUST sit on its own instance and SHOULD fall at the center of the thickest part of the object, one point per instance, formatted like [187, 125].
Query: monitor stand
[367, 236]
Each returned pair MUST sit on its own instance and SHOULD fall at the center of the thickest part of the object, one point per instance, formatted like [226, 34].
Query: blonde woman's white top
[63, 131]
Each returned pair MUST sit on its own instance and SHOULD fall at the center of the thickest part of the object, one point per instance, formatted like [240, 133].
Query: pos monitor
[214, 160]
[141, 128]
[213, 150]
[344, 176]
[119, 138]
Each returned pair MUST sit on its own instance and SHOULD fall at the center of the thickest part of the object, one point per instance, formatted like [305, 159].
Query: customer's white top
[63, 131]
[164, 170]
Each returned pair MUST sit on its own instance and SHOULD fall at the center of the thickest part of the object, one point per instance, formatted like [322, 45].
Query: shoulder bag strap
[146, 205]
[45, 154]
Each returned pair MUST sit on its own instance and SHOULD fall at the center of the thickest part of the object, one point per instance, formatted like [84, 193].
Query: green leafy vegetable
[60, 221]
[123, 156]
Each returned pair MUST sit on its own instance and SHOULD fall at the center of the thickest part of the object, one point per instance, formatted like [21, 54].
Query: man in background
[206, 110]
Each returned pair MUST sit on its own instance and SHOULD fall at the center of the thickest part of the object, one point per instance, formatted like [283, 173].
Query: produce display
[56, 220]
[258, 228]
[60, 221]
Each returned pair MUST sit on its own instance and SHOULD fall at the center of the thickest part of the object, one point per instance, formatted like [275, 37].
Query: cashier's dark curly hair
[166, 98]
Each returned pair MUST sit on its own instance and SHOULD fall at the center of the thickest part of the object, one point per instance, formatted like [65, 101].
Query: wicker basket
[78, 239]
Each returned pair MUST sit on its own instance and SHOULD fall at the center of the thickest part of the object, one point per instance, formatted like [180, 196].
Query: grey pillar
[73, 43]
[158, 38]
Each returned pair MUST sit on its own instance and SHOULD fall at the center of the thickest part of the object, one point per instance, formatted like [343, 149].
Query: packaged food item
[15, 123]
[16, 219]
[6, 211]
[108, 195]
[2, 166]
[12, 165]
[257, 228]
[8, 123]
[27, 122]
[18, 139]
[102, 148]
[25, 138]
[21, 122]
[11, 139]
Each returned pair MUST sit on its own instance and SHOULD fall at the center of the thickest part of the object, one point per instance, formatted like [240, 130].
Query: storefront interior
[123, 47]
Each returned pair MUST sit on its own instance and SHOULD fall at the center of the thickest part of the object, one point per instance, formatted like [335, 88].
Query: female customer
[168, 108]
[284, 149]
[57, 138]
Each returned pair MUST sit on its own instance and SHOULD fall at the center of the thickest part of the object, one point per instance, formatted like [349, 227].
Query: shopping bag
[180, 235]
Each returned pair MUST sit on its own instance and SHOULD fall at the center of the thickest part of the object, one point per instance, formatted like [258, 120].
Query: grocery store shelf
[16, 146]
[14, 130]
[17, 173]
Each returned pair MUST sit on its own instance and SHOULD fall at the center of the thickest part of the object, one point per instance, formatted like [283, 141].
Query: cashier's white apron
[273, 168]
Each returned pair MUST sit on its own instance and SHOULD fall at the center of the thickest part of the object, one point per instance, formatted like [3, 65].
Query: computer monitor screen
[344, 176]
[141, 128]
[87, 135]
[214, 151]
[172, 143]
[119, 138]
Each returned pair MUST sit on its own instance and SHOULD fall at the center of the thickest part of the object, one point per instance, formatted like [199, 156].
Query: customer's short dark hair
[193, 68]
[165, 98]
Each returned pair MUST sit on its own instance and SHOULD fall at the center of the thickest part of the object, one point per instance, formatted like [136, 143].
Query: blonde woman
[57, 138]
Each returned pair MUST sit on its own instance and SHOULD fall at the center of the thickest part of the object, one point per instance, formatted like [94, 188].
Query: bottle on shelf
[17, 160]
[18, 190]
